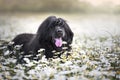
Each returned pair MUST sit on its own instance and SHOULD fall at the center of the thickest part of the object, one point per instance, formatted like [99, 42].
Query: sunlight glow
[101, 2]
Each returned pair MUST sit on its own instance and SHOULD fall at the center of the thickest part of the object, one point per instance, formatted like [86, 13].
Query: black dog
[50, 35]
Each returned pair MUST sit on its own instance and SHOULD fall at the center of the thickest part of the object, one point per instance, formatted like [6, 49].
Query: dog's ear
[69, 34]
[43, 31]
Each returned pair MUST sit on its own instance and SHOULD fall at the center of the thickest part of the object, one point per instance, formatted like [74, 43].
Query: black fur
[50, 29]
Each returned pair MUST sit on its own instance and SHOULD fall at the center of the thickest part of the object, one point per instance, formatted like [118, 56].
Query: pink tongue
[58, 42]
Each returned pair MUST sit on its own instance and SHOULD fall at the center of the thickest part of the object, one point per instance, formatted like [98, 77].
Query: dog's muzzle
[59, 34]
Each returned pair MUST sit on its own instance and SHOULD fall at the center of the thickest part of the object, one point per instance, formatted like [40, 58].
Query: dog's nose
[59, 30]
[59, 33]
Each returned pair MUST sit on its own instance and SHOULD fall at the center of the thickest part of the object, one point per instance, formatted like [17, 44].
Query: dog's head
[55, 30]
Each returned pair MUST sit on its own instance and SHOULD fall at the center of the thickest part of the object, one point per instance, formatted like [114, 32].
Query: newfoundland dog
[50, 35]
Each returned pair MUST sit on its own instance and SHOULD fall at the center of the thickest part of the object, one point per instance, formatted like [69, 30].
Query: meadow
[95, 53]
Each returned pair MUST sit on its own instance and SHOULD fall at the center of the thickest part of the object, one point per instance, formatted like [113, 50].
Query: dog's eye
[58, 22]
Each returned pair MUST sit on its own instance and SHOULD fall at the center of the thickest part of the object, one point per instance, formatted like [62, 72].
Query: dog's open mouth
[58, 42]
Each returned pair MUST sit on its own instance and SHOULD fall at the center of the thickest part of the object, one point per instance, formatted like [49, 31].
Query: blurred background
[85, 17]
[82, 6]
